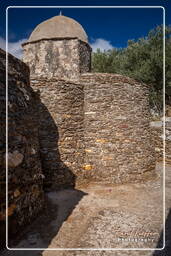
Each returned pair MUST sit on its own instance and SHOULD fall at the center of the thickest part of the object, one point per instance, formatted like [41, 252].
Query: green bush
[143, 61]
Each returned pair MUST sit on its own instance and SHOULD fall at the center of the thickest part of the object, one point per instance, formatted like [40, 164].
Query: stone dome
[58, 27]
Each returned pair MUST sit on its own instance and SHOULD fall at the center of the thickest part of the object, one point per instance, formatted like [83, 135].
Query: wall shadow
[57, 174]
[61, 197]
[167, 250]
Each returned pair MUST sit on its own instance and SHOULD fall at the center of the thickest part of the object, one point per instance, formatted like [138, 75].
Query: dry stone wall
[61, 130]
[64, 58]
[104, 132]
[117, 133]
[25, 178]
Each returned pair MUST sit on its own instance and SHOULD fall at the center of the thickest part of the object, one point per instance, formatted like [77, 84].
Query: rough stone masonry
[25, 178]
[101, 120]
[103, 129]
[69, 127]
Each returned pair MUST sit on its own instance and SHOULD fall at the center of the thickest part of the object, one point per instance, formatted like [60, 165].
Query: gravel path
[101, 216]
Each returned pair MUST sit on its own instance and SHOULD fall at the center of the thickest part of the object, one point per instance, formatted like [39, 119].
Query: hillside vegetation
[143, 61]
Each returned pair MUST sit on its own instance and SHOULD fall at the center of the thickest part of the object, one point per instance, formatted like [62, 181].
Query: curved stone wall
[103, 130]
[117, 133]
[61, 130]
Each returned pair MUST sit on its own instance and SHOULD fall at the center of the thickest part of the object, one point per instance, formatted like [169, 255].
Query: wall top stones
[91, 78]
[16, 68]
[110, 78]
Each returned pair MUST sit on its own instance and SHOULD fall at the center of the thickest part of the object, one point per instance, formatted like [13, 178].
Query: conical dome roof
[58, 27]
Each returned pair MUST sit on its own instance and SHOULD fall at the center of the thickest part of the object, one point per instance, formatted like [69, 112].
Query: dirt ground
[101, 216]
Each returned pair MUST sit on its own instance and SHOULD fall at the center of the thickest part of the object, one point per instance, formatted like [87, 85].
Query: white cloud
[101, 44]
[14, 47]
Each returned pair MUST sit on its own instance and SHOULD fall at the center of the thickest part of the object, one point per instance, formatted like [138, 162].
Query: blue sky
[106, 27]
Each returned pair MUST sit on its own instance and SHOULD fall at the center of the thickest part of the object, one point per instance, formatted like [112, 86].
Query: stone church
[68, 126]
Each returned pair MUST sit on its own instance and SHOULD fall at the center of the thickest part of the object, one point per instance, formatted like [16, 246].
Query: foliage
[141, 60]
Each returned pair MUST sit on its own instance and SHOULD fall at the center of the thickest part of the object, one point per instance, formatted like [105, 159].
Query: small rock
[15, 158]
[157, 149]
[169, 137]
[33, 151]
[169, 112]
[11, 209]
[16, 193]
[156, 124]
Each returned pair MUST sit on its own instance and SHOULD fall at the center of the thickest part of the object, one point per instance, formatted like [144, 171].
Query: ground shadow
[58, 207]
[167, 250]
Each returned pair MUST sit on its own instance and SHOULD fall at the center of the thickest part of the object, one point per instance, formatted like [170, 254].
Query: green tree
[141, 60]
